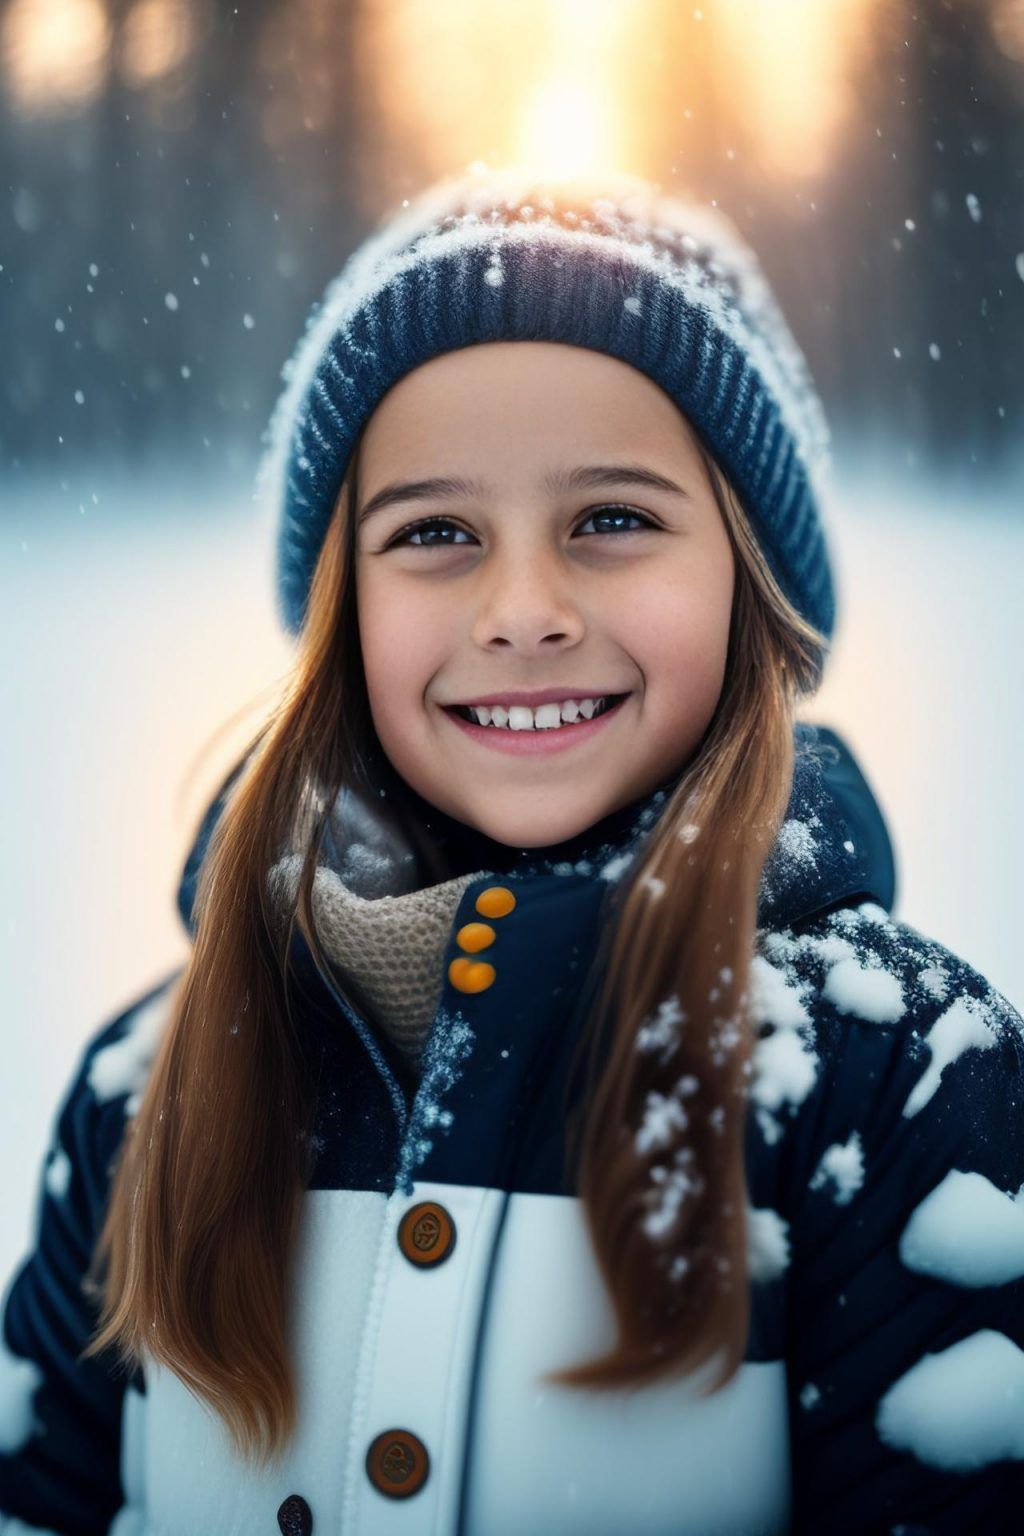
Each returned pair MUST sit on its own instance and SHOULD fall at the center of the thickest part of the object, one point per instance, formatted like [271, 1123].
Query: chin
[529, 831]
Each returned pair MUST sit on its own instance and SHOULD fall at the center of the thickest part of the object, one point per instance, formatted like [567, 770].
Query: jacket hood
[833, 847]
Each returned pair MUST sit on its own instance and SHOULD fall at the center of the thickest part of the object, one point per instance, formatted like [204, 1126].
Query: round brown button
[397, 1463]
[426, 1233]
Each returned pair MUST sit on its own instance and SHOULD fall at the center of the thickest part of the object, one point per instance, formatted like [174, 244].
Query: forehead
[501, 401]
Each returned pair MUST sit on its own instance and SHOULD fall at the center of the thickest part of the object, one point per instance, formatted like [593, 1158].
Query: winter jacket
[444, 1267]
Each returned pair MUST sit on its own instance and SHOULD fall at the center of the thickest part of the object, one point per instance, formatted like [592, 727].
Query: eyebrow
[556, 482]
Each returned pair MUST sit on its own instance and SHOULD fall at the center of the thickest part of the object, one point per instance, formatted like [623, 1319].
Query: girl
[551, 1130]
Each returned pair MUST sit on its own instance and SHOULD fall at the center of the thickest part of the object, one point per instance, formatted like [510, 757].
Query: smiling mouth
[504, 723]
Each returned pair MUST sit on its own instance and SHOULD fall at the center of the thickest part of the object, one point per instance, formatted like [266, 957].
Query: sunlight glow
[1008, 27]
[157, 38]
[577, 86]
[54, 53]
[566, 129]
[789, 62]
[570, 121]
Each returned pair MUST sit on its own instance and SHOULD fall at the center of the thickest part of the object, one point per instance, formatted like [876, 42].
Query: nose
[526, 600]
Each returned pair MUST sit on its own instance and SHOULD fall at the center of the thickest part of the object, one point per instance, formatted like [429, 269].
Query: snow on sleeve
[963, 1025]
[767, 1244]
[796, 841]
[873, 970]
[966, 1232]
[58, 1173]
[784, 1065]
[869, 991]
[934, 979]
[908, 1302]
[961, 1408]
[837, 962]
[842, 1164]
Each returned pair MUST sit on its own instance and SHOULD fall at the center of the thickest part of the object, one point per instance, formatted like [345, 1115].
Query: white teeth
[520, 717]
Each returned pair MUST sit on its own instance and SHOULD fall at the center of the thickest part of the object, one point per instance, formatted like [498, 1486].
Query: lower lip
[533, 742]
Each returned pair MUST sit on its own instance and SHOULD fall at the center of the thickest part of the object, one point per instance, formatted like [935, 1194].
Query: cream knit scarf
[387, 940]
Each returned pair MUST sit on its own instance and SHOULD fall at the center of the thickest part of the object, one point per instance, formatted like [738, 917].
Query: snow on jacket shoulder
[889, 1086]
[60, 1417]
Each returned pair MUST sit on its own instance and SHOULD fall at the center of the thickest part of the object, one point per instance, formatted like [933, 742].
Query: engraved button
[496, 901]
[471, 975]
[475, 936]
[397, 1463]
[295, 1517]
[426, 1233]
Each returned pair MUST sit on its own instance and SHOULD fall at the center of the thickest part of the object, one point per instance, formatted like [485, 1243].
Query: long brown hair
[193, 1264]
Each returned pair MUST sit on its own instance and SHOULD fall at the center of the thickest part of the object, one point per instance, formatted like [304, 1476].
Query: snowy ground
[133, 636]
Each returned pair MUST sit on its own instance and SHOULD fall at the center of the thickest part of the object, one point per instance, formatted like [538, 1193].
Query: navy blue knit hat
[611, 263]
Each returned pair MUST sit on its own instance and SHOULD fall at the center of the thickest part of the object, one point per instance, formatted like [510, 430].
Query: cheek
[682, 627]
[401, 646]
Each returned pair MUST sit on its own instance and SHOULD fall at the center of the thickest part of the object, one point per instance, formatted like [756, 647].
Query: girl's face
[527, 582]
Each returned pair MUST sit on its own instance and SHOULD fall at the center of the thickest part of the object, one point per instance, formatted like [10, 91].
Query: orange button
[471, 975]
[474, 936]
[397, 1463]
[426, 1233]
[496, 901]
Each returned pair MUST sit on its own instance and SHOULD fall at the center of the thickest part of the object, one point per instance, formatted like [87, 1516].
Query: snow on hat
[608, 262]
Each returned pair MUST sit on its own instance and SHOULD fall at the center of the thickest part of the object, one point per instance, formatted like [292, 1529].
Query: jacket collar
[833, 846]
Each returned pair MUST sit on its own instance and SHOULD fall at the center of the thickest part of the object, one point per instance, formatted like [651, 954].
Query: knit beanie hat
[609, 262]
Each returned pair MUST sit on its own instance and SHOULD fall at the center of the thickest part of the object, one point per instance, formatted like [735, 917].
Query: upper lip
[537, 696]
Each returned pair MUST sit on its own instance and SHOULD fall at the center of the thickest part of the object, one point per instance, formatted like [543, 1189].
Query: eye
[430, 524]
